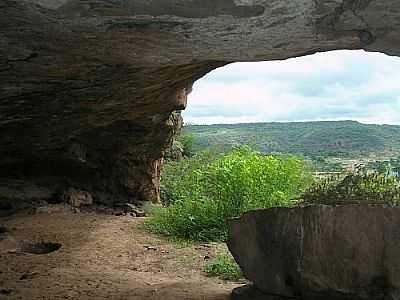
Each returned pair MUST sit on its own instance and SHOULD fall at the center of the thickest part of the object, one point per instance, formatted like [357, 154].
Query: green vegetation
[389, 167]
[182, 178]
[224, 267]
[182, 146]
[187, 142]
[357, 188]
[204, 191]
[321, 164]
[311, 139]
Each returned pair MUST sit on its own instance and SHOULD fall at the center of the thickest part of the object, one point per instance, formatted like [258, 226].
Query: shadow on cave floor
[100, 257]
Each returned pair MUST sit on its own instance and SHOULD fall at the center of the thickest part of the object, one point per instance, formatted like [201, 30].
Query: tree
[187, 142]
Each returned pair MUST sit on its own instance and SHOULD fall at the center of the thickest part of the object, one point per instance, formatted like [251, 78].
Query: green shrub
[224, 267]
[358, 188]
[208, 189]
[183, 179]
[187, 141]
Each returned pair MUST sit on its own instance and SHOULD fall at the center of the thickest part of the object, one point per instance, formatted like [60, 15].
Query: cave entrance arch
[321, 106]
[88, 90]
[334, 85]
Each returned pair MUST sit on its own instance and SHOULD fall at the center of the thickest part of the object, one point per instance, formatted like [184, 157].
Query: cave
[91, 91]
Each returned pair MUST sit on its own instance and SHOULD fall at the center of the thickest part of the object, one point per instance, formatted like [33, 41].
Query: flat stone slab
[321, 252]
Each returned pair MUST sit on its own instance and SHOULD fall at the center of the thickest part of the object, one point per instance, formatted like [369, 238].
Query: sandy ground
[102, 257]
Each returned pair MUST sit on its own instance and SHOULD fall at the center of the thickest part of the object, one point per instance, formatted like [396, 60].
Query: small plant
[224, 267]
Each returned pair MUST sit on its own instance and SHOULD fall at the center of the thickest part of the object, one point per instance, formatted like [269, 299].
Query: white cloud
[221, 120]
[334, 85]
[377, 85]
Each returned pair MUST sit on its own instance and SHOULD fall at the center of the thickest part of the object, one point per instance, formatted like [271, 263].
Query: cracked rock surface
[90, 90]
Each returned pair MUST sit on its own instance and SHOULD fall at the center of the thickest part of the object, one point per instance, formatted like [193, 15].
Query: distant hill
[312, 139]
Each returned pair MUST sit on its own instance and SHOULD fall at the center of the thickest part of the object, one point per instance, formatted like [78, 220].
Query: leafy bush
[187, 141]
[174, 153]
[183, 179]
[355, 188]
[206, 190]
[224, 267]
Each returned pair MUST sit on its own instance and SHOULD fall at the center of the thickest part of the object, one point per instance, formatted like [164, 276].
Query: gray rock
[89, 89]
[321, 252]
[77, 198]
[250, 292]
[131, 209]
[3, 232]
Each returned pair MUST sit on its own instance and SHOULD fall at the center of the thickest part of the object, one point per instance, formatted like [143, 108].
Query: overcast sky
[338, 85]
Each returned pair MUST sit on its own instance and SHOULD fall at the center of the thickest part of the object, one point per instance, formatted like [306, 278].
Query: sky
[337, 85]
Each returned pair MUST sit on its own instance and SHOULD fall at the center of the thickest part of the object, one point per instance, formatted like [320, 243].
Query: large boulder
[321, 252]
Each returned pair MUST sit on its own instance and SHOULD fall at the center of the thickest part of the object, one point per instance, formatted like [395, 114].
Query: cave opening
[333, 104]
[89, 92]
[338, 110]
[336, 85]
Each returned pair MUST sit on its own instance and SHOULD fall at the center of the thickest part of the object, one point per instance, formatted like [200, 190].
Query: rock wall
[89, 88]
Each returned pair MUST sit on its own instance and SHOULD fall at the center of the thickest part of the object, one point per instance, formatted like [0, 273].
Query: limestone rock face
[88, 88]
[321, 252]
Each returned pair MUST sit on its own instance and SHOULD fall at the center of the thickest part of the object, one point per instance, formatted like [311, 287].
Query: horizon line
[288, 122]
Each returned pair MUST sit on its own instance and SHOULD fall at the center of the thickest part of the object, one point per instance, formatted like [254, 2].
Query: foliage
[187, 142]
[355, 188]
[208, 189]
[224, 267]
[175, 152]
[311, 139]
[389, 167]
[321, 164]
[183, 178]
[182, 146]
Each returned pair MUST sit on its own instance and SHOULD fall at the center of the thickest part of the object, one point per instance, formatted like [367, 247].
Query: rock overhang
[90, 89]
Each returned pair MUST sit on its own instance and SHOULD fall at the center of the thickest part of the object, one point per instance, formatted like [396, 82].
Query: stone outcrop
[321, 252]
[77, 198]
[88, 88]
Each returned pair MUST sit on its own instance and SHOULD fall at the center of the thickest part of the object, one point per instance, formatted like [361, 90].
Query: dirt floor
[101, 257]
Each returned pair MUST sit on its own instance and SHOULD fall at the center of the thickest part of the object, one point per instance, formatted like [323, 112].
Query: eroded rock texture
[321, 252]
[88, 88]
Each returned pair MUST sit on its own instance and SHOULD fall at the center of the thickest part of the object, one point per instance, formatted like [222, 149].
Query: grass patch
[153, 212]
[224, 267]
[187, 221]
